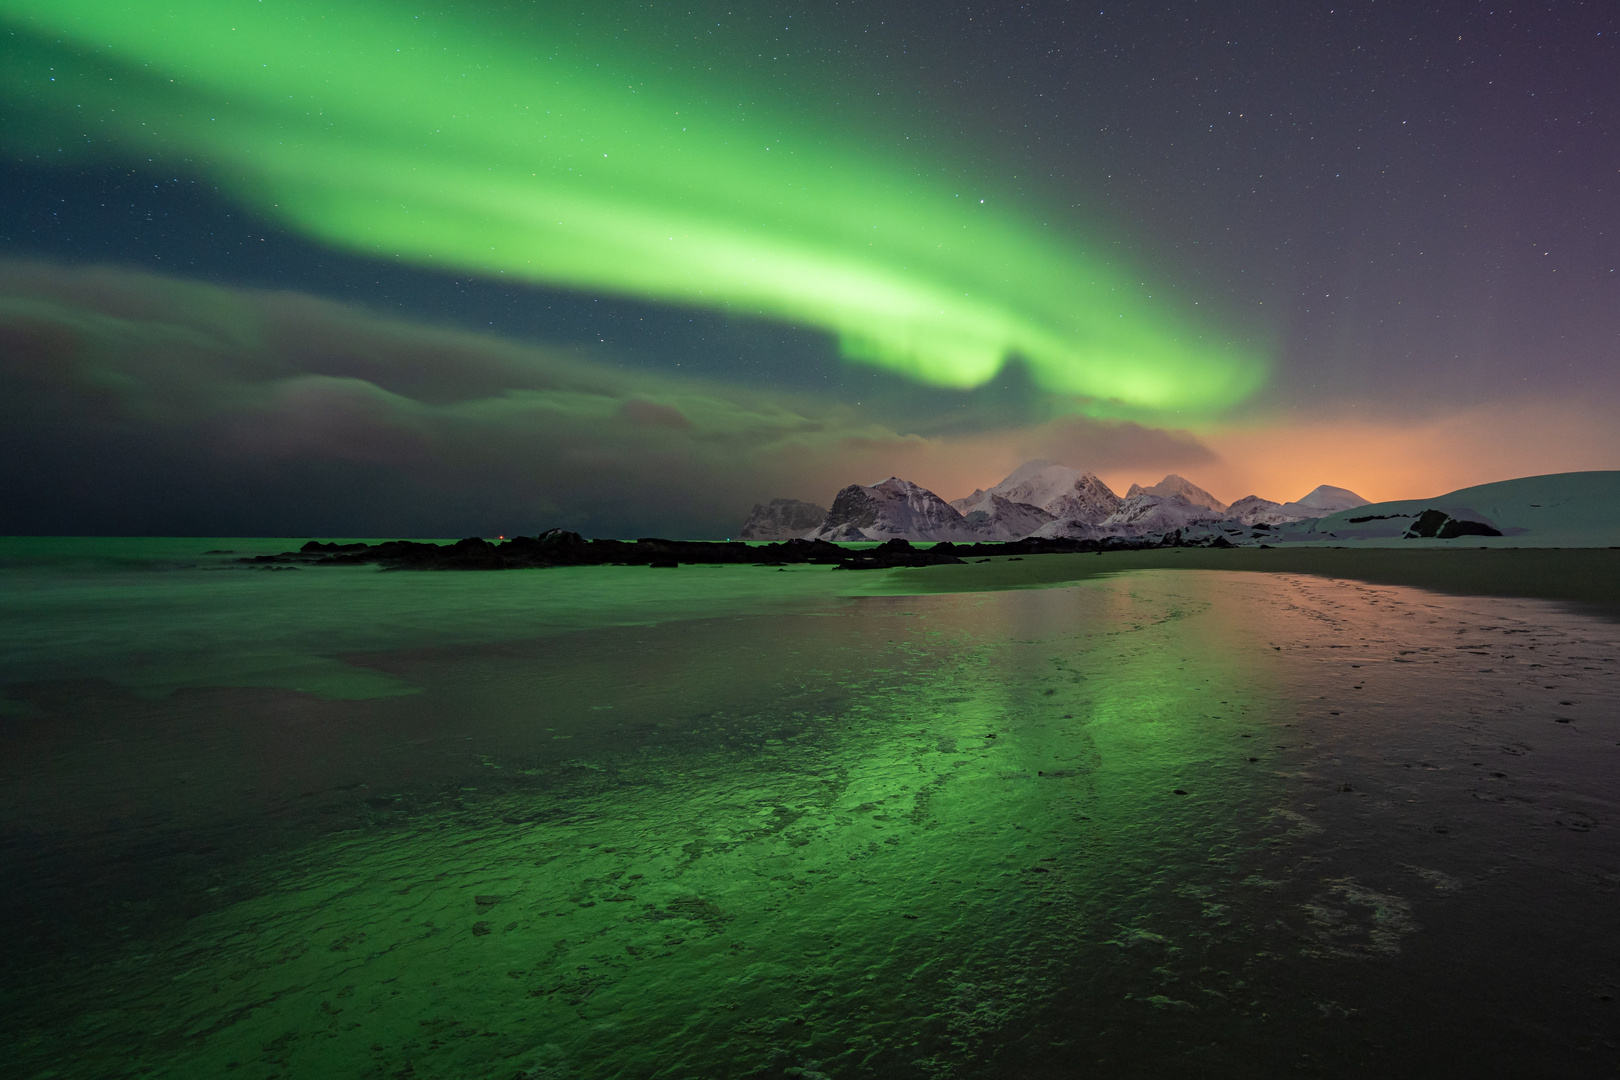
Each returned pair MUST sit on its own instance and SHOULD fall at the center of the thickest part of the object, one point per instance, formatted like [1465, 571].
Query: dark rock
[1442, 526]
[1427, 524]
[1452, 527]
[854, 507]
[782, 519]
[559, 547]
[897, 553]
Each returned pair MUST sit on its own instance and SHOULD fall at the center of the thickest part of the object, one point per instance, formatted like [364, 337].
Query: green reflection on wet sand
[913, 880]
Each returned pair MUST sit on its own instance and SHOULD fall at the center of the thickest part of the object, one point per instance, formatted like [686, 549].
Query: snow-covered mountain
[1066, 494]
[894, 508]
[1045, 499]
[998, 517]
[1174, 485]
[1323, 500]
[1252, 509]
[782, 519]
[1140, 515]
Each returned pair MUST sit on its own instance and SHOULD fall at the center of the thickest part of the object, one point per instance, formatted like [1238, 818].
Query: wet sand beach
[1149, 822]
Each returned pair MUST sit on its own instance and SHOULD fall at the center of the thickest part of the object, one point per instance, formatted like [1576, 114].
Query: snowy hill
[1252, 509]
[1324, 500]
[1559, 510]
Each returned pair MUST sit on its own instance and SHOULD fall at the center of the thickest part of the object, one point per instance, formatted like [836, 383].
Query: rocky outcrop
[1442, 526]
[560, 548]
[782, 519]
[556, 547]
[896, 553]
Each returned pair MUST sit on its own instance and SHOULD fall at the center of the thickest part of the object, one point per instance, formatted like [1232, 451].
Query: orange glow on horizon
[1379, 460]
[1385, 460]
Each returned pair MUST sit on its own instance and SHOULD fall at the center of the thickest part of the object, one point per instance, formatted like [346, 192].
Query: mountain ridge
[1580, 509]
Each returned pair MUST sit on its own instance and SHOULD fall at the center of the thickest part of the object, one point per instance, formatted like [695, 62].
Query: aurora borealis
[786, 249]
[375, 128]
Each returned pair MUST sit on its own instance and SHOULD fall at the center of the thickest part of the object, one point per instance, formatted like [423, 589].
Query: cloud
[141, 404]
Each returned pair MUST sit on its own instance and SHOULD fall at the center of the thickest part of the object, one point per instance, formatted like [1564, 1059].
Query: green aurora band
[431, 139]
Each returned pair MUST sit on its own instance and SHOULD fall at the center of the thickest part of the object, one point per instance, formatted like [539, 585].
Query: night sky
[287, 268]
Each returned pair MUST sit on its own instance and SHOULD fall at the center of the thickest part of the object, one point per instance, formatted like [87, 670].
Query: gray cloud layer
[136, 404]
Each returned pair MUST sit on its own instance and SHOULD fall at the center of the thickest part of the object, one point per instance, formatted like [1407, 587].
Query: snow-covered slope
[1559, 510]
[1140, 515]
[1252, 508]
[782, 519]
[1149, 513]
[1322, 501]
[1174, 485]
[1066, 494]
[997, 518]
[894, 508]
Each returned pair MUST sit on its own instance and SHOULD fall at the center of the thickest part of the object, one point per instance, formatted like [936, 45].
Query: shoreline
[1589, 577]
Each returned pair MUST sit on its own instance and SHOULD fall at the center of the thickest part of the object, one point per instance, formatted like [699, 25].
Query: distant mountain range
[1046, 500]
[1040, 498]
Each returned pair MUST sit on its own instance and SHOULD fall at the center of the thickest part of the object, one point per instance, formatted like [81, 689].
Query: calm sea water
[726, 822]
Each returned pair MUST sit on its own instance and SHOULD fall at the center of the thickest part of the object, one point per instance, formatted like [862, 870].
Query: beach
[618, 821]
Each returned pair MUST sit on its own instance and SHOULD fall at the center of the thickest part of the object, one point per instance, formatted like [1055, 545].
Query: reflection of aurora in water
[436, 138]
[897, 857]
[900, 836]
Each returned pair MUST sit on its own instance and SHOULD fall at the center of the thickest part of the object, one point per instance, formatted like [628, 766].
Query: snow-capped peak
[1179, 485]
[1065, 493]
[1329, 500]
[893, 508]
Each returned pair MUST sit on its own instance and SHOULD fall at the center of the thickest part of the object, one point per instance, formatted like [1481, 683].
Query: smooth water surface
[716, 822]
